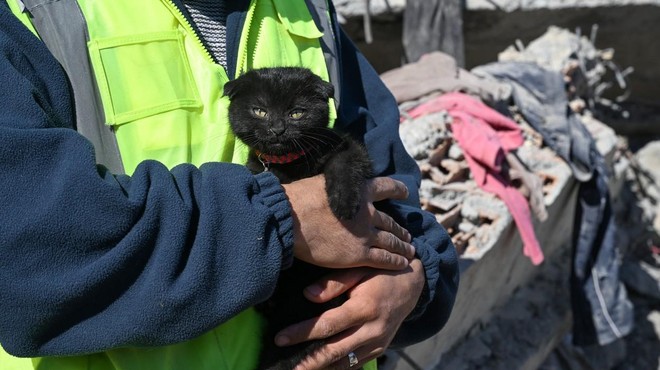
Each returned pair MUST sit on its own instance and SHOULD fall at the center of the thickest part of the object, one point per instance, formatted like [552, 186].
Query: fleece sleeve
[369, 112]
[91, 261]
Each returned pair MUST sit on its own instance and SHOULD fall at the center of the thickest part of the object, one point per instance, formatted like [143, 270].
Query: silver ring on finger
[352, 359]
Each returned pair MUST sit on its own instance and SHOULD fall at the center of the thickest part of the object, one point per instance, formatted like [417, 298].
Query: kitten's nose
[277, 128]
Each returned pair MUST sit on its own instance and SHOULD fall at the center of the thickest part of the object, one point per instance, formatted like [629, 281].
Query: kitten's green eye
[296, 113]
[259, 112]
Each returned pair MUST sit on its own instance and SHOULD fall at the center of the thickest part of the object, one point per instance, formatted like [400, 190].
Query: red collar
[279, 159]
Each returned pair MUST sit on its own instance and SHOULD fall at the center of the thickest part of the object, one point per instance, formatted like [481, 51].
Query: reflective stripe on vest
[61, 26]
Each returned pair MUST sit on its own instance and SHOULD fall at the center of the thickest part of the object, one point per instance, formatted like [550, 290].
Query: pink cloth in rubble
[485, 136]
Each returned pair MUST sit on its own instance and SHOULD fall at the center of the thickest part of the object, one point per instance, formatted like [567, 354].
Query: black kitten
[282, 114]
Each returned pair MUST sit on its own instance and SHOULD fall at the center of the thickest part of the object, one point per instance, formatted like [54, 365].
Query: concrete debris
[425, 135]
[537, 171]
[527, 5]
[648, 168]
[473, 218]
[352, 8]
[636, 205]
[485, 216]
[586, 69]
[606, 139]
[641, 269]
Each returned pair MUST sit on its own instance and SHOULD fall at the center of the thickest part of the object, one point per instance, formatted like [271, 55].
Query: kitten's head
[275, 110]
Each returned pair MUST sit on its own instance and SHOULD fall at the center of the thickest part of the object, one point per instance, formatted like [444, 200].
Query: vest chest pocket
[142, 75]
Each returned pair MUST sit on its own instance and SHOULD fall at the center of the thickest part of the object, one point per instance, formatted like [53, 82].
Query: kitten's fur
[284, 110]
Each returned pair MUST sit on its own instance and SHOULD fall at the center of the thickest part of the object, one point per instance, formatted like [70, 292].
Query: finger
[389, 242]
[362, 355]
[329, 323]
[384, 259]
[383, 221]
[334, 352]
[353, 360]
[334, 285]
[381, 188]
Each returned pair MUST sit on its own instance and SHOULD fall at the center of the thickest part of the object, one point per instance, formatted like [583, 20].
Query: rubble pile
[473, 217]
[551, 147]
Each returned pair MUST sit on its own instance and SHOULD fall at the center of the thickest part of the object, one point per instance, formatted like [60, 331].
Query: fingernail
[314, 290]
[282, 340]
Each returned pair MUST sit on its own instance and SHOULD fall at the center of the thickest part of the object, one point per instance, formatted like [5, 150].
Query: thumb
[335, 284]
[381, 188]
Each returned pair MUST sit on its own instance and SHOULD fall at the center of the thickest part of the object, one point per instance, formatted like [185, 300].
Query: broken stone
[606, 139]
[423, 135]
[583, 65]
[647, 158]
[455, 152]
[481, 208]
[438, 154]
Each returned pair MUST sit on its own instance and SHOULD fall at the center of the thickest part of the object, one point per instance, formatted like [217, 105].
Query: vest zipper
[245, 37]
[178, 14]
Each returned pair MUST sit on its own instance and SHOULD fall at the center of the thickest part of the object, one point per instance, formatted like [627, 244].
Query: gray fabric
[602, 312]
[438, 72]
[319, 11]
[540, 95]
[62, 27]
[210, 17]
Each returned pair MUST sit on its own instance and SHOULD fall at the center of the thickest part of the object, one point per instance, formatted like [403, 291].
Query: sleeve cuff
[274, 198]
[431, 273]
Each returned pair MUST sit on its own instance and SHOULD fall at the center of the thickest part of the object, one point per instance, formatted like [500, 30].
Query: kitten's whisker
[250, 139]
[308, 158]
[321, 145]
[312, 146]
[333, 139]
[321, 138]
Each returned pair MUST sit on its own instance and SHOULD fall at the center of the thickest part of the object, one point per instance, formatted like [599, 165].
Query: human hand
[371, 238]
[378, 302]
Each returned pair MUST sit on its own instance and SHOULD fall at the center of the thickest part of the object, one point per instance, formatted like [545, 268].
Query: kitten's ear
[231, 88]
[327, 90]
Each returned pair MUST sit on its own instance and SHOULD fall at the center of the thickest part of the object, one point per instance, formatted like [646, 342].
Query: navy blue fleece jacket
[91, 261]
